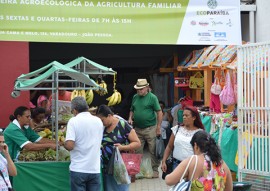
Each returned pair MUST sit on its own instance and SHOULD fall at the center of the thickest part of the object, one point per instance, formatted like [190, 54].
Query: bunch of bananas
[89, 96]
[103, 90]
[115, 98]
[76, 93]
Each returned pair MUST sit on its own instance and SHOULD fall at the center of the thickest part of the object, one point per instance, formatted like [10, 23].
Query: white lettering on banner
[120, 4]
[17, 18]
[51, 3]
[8, 2]
[165, 5]
[50, 19]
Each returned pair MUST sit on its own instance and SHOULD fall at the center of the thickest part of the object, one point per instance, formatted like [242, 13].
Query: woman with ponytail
[211, 171]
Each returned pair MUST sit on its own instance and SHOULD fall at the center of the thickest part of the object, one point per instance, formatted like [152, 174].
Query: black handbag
[169, 163]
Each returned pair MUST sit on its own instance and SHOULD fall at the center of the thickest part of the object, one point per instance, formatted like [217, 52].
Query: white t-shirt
[4, 169]
[86, 131]
[182, 147]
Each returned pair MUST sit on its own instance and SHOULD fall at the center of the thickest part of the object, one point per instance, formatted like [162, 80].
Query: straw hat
[141, 83]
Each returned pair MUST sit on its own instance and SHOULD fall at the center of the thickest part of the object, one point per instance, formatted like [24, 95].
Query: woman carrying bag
[181, 136]
[118, 133]
[211, 172]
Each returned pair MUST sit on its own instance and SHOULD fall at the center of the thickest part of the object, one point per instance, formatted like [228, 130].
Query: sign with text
[124, 22]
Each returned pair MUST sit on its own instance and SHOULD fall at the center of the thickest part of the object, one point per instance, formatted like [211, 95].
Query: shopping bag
[159, 147]
[120, 173]
[109, 168]
[146, 168]
[196, 81]
[132, 162]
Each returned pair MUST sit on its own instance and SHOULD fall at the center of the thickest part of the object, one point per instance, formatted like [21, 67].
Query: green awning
[87, 66]
[36, 77]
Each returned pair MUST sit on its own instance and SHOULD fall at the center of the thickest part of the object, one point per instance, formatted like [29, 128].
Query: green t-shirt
[144, 109]
[16, 138]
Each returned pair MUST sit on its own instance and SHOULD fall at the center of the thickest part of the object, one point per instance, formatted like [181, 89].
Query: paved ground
[155, 184]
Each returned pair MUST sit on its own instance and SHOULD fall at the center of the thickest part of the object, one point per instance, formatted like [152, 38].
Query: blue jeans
[85, 181]
[111, 185]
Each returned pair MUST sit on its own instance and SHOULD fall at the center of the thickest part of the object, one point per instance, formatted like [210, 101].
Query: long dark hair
[207, 145]
[18, 111]
[104, 111]
[195, 113]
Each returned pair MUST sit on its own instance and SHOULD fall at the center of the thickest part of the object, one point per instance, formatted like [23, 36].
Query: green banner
[133, 22]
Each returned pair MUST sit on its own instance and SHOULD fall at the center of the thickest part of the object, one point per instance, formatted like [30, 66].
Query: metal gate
[254, 115]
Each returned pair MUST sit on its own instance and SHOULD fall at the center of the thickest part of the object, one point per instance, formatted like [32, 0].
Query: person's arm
[167, 152]
[38, 146]
[135, 142]
[174, 177]
[69, 145]
[12, 171]
[229, 181]
[130, 119]
[159, 120]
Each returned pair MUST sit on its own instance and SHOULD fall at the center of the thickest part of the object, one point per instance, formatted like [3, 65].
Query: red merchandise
[186, 101]
[132, 162]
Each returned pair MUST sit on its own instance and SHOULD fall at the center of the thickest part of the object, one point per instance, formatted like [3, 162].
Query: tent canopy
[87, 66]
[36, 77]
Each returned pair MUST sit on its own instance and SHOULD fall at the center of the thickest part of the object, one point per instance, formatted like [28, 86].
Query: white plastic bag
[159, 147]
[120, 173]
[146, 168]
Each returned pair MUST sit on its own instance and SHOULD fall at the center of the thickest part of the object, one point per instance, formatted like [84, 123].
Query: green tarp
[85, 65]
[34, 78]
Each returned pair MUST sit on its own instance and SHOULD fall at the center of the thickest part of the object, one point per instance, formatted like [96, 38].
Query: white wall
[262, 21]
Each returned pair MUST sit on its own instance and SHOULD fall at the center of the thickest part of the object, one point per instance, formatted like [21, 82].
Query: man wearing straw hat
[146, 116]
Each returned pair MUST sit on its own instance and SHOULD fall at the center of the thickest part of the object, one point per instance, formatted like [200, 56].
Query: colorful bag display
[132, 162]
[196, 81]
[216, 87]
[227, 96]
[186, 101]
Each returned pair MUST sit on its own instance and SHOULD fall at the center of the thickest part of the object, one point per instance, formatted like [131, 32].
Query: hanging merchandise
[227, 96]
[186, 101]
[196, 81]
[216, 88]
[181, 81]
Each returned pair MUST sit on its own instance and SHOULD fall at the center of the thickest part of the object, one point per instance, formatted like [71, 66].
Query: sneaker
[155, 174]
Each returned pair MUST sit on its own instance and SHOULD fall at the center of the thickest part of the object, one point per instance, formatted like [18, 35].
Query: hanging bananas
[76, 93]
[89, 96]
[115, 98]
[103, 90]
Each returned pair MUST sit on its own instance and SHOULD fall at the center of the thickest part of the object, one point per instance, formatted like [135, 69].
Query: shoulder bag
[185, 185]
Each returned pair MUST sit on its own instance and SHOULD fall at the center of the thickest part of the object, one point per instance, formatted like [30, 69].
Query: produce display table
[43, 176]
[33, 176]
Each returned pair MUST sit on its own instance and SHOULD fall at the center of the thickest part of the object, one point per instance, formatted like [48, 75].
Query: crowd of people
[91, 139]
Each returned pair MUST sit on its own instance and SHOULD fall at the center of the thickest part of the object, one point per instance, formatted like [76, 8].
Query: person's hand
[52, 146]
[119, 146]
[158, 131]
[163, 166]
[4, 148]
[130, 121]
